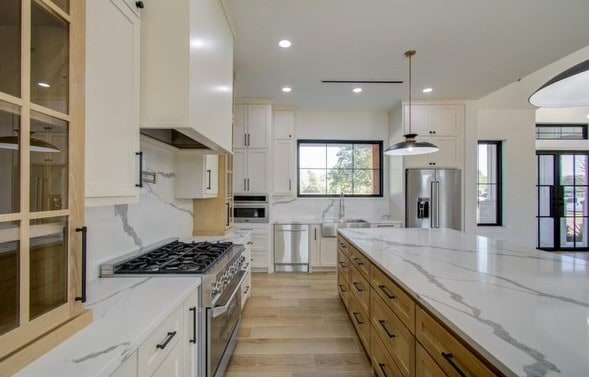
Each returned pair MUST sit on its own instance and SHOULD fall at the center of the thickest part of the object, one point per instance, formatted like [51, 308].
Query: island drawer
[360, 289]
[425, 366]
[453, 357]
[159, 344]
[343, 264]
[361, 322]
[396, 338]
[395, 297]
[382, 362]
[343, 288]
[361, 262]
[343, 245]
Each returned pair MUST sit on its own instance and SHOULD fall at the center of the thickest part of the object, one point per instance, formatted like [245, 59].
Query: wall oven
[251, 209]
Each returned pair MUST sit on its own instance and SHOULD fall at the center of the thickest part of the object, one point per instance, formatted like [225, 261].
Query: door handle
[289, 185]
[244, 187]
[84, 230]
[193, 310]
[245, 140]
[355, 314]
[432, 220]
[315, 234]
[248, 184]
[249, 139]
[437, 203]
[140, 154]
[382, 324]
[209, 177]
[450, 359]
[169, 338]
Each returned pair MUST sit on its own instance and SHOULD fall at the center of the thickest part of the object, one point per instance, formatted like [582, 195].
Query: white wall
[117, 230]
[344, 125]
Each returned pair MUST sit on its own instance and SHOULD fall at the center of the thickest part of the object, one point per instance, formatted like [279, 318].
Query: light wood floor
[294, 325]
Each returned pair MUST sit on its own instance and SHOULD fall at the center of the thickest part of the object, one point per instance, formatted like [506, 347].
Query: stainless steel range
[221, 267]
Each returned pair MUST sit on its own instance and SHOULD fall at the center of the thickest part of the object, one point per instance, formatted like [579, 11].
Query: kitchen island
[467, 304]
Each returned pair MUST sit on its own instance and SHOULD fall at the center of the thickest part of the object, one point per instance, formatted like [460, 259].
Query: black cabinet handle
[386, 291]
[228, 213]
[355, 314]
[450, 359]
[358, 261]
[315, 234]
[382, 322]
[247, 289]
[170, 336]
[139, 4]
[209, 177]
[245, 140]
[381, 366]
[356, 286]
[140, 154]
[84, 231]
[342, 288]
[343, 264]
[193, 310]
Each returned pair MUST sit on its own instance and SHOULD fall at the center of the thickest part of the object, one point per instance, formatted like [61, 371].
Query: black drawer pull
[450, 359]
[387, 292]
[84, 230]
[140, 154]
[358, 261]
[170, 336]
[385, 328]
[342, 288]
[247, 289]
[355, 314]
[356, 285]
[381, 366]
[193, 310]
[343, 264]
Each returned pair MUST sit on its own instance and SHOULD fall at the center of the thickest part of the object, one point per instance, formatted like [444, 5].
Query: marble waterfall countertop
[238, 237]
[125, 311]
[527, 311]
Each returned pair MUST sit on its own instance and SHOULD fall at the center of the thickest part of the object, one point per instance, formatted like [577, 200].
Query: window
[489, 183]
[330, 167]
[561, 131]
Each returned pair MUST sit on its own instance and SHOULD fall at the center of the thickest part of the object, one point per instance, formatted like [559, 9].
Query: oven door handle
[222, 309]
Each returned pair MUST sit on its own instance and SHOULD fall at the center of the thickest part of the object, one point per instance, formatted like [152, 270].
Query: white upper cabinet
[283, 124]
[435, 120]
[187, 70]
[449, 155]
[252, 126]
[112, 103]
[197, 174]
[250, 174]
[284, 167]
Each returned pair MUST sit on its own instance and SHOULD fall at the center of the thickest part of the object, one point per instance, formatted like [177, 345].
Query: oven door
[223, 327]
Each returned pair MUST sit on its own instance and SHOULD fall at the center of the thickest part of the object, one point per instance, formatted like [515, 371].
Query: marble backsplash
[116, 230]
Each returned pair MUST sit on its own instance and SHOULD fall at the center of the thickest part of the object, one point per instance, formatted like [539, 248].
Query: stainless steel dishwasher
[291, 248]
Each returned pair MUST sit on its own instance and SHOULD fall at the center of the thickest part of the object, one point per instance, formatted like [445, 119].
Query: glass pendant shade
[411, 147]
[568, 89]
[11, 142]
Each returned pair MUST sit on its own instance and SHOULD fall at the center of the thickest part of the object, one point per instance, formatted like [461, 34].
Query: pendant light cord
[409, 54]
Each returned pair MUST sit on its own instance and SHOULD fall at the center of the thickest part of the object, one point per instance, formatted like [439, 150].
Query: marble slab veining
[527, 311]
[126, 311]
[238, 237]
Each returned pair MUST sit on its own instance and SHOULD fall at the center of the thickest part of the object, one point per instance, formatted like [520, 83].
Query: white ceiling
[465, 48]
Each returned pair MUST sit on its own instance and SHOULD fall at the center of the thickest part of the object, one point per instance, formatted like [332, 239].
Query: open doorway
[562, 192]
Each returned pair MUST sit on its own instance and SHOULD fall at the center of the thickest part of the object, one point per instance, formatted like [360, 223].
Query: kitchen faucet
[342, 209]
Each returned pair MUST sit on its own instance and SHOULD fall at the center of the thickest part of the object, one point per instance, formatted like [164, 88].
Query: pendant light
[11, 143]
[410, 146]
[568, 89]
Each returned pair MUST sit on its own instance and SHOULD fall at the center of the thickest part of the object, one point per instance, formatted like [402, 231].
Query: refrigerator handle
[437, 204]
[434, 204]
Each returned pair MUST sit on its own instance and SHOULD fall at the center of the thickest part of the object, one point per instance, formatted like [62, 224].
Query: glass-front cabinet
[41, 177]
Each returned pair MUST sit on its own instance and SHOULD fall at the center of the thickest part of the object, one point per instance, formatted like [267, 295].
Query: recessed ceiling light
[357, 90]
[427, 90]
[285, 43]
[286, 89]
[43, 84]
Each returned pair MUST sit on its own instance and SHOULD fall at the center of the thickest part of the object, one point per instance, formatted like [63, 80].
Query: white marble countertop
[527, 311]
[125, 311]
[315, 220]
[237, 237]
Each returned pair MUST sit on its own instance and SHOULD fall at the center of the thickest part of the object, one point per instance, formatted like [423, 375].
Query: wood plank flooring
[294, 325]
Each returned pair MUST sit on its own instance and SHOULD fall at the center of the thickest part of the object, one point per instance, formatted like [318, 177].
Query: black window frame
[332, 141]
[585, 133]
[498, 184]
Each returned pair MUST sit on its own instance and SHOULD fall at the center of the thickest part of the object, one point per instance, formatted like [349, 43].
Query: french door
[562, 192]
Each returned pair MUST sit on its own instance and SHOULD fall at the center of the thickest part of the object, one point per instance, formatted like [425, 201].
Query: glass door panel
[48, 265]
[49, 163]
[10, 29]
[9, 275]
[9, 158]
[49, 60]
[63, 4]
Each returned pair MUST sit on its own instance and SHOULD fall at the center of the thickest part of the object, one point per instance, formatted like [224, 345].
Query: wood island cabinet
[400, 336]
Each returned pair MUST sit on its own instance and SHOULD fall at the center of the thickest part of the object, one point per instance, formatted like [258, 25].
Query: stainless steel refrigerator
[433, 198]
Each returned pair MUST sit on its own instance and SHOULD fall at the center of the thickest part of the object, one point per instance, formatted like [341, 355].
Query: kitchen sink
[329, 227]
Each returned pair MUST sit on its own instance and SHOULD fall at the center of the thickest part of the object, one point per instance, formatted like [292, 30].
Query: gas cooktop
[176, 258]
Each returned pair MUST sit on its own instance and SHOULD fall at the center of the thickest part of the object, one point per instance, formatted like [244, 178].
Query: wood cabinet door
[112, 95]
[258, 126]
[257, 171]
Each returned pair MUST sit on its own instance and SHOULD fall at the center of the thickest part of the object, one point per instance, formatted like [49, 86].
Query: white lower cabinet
[315, 245]
[128, 368]
[328, 252]
[260, 247]
[246, 286]
[171, 350]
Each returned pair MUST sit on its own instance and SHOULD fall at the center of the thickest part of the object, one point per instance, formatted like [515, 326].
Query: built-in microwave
[250, 209]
